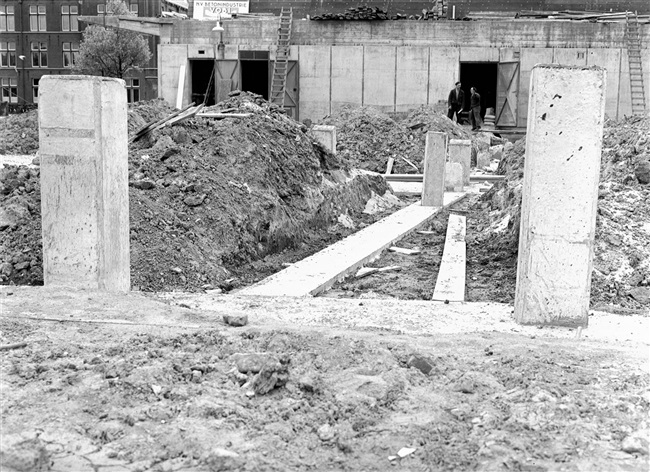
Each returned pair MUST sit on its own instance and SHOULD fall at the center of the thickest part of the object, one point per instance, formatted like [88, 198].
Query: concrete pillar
[453, 177]
[460, 150]
[560, 191]
[433, 179]
[483, 159]
[84, 182]
[326, 135]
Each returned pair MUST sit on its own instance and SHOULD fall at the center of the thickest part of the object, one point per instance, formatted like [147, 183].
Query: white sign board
[214, 10]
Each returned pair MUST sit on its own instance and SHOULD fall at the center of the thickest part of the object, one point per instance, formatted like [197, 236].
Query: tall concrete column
[560, 193]
[435, 155]
[84, 182]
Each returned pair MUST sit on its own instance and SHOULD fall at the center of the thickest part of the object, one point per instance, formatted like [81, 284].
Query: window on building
[7, 19]
[35, 90]
[37, 18]
[7, 54]
[39, 54]
[69, 14]
[70, 51]
[101, 9]
[9, 90]
[133, 7]
[132, 90]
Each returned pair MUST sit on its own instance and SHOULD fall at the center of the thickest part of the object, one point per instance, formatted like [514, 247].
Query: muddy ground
[156, 387]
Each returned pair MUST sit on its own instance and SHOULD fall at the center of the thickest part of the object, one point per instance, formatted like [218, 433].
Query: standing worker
[456, 102]
[475, 109]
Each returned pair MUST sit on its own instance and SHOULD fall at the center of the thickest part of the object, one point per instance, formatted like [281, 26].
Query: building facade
[41, 37]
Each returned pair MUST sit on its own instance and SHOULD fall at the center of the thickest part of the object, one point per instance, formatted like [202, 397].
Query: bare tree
[111, 52]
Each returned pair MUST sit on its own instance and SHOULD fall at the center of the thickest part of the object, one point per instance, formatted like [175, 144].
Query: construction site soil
[125, 383]
[220, 204]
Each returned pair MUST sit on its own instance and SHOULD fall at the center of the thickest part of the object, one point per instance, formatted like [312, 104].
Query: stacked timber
[360, 13]
[592, 16]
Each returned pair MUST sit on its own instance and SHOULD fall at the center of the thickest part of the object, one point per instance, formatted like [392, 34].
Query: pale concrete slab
[412, 77]
[320, 271]
[84, 182]
[450, 285]
[610, 59]
[435, 155]
[460, 151]
[560, 193]
[379, 77]
[347, 76]
[453, 177]
[326, 135]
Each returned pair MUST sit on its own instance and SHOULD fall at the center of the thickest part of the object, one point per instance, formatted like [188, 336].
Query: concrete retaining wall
[399, 65]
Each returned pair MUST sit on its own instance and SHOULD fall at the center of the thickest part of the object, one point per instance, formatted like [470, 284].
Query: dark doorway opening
[483, 76]
[202, 81]
[255, 77]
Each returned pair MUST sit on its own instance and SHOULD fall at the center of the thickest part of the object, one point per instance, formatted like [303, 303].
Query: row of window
[10, 90]
[38, 54]
[38, 21]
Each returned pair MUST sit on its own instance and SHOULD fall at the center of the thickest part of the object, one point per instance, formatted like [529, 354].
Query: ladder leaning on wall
[636, 66]
[279, 78]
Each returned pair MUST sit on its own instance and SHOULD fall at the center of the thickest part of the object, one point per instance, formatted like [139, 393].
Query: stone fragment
[635, 444]
[194, 200]
[22, 265]
[422, 363]
[169, 153]
[144, 184]
[641, 295]
[235, 320]
[483, 160]
[642, 172]
[6, 268]
[325, 433]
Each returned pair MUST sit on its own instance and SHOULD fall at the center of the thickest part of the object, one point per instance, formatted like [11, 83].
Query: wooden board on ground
[450, 285]
[319, 272]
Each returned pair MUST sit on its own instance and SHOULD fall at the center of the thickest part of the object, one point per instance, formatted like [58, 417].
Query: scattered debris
[235, 320]
[401, 250]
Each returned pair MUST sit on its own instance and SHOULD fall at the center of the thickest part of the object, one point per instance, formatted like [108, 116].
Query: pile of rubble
[205, 196]
[19, 133]
[622, 249]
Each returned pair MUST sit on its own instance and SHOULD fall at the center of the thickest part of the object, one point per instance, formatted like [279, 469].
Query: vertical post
[460, 151]
[84, 182]
[560, 193]
[435, 155]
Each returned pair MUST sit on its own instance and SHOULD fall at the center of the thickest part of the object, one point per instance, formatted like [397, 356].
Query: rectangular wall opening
[255, 72]
[202, 71]
[482, 76]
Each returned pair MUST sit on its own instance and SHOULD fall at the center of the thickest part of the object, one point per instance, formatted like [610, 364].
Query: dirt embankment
[206, 196]
[621, 274]
[367, 138]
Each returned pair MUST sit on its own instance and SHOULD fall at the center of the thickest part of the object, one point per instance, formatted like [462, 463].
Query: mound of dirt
[622, 248]
[206, 196]
[19, 133]
[366, 138]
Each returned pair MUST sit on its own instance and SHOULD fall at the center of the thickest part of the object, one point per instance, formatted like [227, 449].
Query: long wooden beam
[450, 285]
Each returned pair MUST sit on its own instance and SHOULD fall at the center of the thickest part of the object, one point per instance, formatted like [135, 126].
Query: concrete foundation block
[433, 179]
[560, 193]
[483, 141]
[460, 151]
[84, 182]
[326, 135]
[483, 159]
[453, 177]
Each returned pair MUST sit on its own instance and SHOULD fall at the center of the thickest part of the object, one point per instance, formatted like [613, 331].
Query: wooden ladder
[636, 66]
[280, 66]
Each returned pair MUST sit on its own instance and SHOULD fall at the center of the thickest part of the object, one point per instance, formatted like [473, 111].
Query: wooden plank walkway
[450, 285]
[319, 272]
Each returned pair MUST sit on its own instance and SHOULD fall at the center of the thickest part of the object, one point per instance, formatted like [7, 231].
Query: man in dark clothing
[456, 102]
[475, 109]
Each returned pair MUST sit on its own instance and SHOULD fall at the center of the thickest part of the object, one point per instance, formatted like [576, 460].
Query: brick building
[40, 37]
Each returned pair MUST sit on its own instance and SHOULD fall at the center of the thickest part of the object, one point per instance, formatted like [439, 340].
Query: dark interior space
[202, 81]
[483, 76]
[255, 77]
